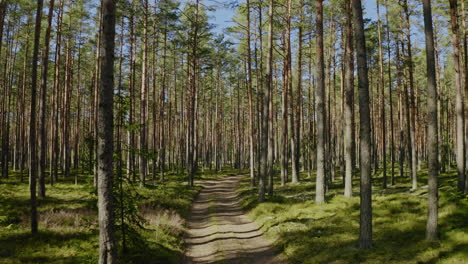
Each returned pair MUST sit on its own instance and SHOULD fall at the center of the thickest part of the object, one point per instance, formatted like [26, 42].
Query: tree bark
[107, 249]
[349, 102]
[365, 230]
[412, 107]
[432, 137]
[43, 109]
[320, 104]
[297, 125]
[32, 121]
[143, 101]
[459, 106]
[249, 91]
[382, 87]
[265, 170]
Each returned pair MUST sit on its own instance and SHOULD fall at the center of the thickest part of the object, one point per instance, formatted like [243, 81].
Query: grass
[308, 233]
[68, 227]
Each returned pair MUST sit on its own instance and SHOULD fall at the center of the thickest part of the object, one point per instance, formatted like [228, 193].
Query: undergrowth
[68, 227]
[308, 233]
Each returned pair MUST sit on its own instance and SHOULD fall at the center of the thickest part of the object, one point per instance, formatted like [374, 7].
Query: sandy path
[220, 232]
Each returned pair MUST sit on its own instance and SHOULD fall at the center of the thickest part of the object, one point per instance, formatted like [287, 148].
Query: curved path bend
[220, 232]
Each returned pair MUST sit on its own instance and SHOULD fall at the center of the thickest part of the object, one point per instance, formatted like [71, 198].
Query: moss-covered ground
[68, 227]
[310, 233]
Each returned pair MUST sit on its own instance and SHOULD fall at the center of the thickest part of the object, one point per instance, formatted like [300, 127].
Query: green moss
[68, 230]
[310, 233]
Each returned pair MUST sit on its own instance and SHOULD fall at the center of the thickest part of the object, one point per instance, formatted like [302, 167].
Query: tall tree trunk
[349, 102]
[265, 170]
[56, 104]
[249, 91]
[382, 89]
[131, 173]
[465, 51]
[365, 230]
[32, 120]
[412, 107]
[143, 102]
[96, 95]
[320, 104]
[459, 107]
[107, 249]
[297, 125]
[43, 109]
[390, 98]
[192, 94]
[432, 138]
[284, 130]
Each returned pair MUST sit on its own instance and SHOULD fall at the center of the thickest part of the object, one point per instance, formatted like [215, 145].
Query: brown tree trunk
[296, 150]
[32, 120]
[265, 131]
[390, 96]
[43, 109]
[249, 91]
[349, 102]
[382, 89]
[459, 107]
[365, 230]
[143, 102]
[412, 107]
[432, 138]
[107, 248]
[320, 104]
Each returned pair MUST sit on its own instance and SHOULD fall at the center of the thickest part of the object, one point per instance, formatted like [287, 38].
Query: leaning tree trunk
[107, 249]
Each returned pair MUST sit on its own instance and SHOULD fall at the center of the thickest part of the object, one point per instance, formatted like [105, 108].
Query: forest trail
[220, 232]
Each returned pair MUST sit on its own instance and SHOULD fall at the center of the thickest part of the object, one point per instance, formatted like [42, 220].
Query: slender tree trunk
[56, 103]
[32, 120]
[321, 111]
[459, 107]
[412, 107]
[143, 102]
[296, 157]
[365, 230]
[43, 109]
[465, 51]
[284, 130]
[265, 170]
[349, 102]
[249, 91]
[432, 138]
[97, 71]
[390, 98]
[107, 249]
[382, 87]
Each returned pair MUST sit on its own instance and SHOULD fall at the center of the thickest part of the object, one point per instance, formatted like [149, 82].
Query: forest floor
[309, 233]
[220, 232]
[68, 228]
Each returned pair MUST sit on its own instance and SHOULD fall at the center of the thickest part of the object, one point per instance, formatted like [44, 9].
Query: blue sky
[222, 17]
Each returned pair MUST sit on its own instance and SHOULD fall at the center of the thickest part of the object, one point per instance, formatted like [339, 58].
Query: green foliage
[310, 233]
[68, 227]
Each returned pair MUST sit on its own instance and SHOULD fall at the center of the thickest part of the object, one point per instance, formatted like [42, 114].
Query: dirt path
[220, 232]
